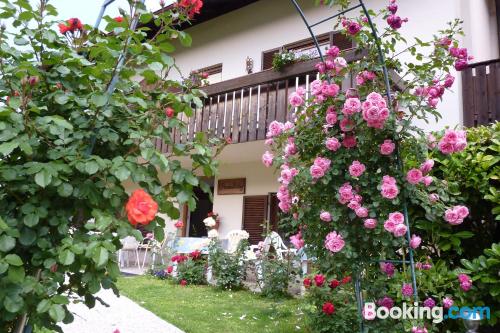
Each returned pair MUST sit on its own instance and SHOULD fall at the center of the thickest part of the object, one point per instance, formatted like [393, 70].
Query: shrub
[193, 269]
[228, 269]
[66, 147]
[276, 275]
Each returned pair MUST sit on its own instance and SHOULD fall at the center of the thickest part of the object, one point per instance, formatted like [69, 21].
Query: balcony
[242, 108]
[481, 93]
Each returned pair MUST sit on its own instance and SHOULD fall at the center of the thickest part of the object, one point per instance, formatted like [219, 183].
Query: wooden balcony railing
[481, 93]
[242, 108]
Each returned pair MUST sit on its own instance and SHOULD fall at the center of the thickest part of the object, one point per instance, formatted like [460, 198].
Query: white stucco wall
[267, 24]
[259, 181]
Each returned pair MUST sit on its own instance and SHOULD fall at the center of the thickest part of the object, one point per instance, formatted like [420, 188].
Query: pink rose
[387, 147]
[414, 176]
[334, 242]
[397, 217]
[370, 223]
[356, 169]
[297, 241]
[389, 191]
[349, 141]
[361, 212]
[332, 144]
[462, 211]
[275, 129]
[433, 197]
[331, 118]
[316, 171]
[325, 216]
[400, 230]
[427, 180]
[451, 216]
[389, 225]
[333, 51]
[426, 167]
[267, 159]
[415, 241]
[296, 100]
[351, 106]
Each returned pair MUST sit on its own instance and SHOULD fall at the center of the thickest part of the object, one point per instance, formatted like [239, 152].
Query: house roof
[212, 9]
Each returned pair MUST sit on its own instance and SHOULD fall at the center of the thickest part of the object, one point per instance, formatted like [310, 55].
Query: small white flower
[209, 221]
[213, 233]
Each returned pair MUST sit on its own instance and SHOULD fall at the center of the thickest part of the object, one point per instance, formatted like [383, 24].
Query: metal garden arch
[381, 59]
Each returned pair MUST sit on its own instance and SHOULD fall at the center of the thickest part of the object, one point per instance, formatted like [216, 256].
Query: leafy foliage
[66, 149]
[228, 269]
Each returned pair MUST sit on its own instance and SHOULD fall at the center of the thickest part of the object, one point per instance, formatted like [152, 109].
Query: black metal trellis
[357, 281]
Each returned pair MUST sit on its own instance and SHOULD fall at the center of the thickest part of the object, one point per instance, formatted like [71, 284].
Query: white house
[231, 35]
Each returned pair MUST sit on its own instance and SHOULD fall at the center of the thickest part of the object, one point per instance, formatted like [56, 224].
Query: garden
[381, 214]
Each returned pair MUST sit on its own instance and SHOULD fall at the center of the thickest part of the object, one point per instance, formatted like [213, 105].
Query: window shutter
[267, 58]
[254, 214]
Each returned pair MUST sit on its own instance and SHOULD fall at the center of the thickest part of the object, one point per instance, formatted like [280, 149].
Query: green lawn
[203, 309]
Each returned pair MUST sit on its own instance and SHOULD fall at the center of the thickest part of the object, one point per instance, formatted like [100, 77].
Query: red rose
[118, 19]
[169, 112]
[319, 279]
[141, 208]
[170, 269]
[347, 279]
[328, 308]
[75, 24]
[334, 283]
[63, 29]
[179, 224]
[191, 6]
[183, 282]
[195, 255]
[307, 282]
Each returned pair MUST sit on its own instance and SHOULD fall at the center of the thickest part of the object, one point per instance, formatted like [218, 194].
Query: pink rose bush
[355, 162]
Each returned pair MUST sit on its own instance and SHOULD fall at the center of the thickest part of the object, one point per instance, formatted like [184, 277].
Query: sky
[88, 10]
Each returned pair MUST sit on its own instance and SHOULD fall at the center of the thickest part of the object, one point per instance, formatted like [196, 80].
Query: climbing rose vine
[66, 149]
[345, 177]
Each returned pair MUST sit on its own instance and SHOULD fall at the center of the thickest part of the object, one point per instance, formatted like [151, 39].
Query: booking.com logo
[371, 311]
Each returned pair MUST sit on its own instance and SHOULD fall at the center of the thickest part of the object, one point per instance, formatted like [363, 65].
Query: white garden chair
[129, 244]
[234, 237]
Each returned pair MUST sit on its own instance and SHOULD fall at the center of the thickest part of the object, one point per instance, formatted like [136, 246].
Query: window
[214, 73]
[254, 215]
[307, 47]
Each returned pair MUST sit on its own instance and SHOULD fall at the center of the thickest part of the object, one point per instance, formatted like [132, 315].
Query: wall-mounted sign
[231, 186]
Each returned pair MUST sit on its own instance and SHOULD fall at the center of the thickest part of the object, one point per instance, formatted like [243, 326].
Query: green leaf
[13, 303]
[7, 243]
[65, 190]
[66, 257]
[8, 147]
[16, 274]
[13, 260]
[61, 98]
[43, 178]
[31, 220]
[63, 70]
[191, 179]
[27, 237]
[57, 312]
[122, 173]
[185, 39]
[91, 167]
[3, 267]
[43, 306]
[100, 256]
[98, 100]
[21, 41]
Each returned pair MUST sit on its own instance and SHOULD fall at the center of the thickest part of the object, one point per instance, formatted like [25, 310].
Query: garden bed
[205, 309]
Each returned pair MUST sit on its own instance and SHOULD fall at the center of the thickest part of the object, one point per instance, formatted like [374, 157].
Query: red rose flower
[319, 279]
[141, 208]
[118, 19]
[307, 282]
[347, 279]
[75, 24]
[63, 29]
[179, 224]
[334, 283]
[191, 6]
[328, 308]
[195, 255]
[183, 282]
[170, 269]
[169, 112]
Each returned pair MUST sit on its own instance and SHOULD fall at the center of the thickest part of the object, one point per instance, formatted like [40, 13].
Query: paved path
[123, 314]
